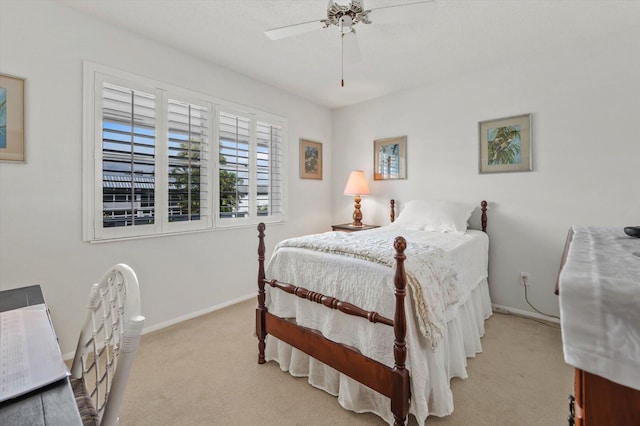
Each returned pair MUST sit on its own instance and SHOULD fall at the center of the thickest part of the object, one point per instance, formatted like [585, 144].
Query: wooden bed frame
[393, 382]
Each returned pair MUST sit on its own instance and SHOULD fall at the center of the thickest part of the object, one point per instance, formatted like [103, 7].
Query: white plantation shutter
[188, 186]
[269, 169]
[235, 178]
[128, 157]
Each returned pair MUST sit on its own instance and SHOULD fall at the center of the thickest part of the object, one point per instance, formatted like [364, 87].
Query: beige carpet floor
[205, 372]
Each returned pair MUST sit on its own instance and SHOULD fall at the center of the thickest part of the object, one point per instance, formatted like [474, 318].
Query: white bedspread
[461, 312]
[425, 263]
[600, 304]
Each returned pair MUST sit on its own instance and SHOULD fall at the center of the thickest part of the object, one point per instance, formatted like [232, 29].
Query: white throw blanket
[431, 276]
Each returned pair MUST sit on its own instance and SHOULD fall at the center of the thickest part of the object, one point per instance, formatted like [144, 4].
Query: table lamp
[357, 185]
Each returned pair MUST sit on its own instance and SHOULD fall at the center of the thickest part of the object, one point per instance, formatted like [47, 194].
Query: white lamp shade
[357, 184]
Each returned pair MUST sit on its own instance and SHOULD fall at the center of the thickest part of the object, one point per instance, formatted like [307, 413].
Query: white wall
[40, 204]
[585, 101]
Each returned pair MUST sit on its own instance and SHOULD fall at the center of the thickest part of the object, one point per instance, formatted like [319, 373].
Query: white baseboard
[197, 313]
[189, 316]
[508, 310]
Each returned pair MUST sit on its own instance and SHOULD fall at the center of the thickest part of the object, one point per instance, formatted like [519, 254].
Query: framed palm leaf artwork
[505, 145]
[11, 118]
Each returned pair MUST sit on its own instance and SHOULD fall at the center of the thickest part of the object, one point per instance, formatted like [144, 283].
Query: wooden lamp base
[357, 214]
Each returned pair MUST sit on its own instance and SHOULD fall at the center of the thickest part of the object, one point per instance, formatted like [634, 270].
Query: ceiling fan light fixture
[346, 24]
[354, 10]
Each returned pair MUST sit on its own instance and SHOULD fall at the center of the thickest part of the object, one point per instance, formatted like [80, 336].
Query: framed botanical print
[310, 159]
[505, 145]
[390, 158]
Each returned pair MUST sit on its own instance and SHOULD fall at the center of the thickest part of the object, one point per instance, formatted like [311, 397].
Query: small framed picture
[505, 145]
[11, 118]
[390, 158]
[310, 159]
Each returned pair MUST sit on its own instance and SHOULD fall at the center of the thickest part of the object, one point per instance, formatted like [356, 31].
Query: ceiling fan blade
[404, 12]
[290, 30]
[351, 48]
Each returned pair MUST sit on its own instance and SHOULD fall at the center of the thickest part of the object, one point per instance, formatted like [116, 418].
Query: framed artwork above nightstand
[348, 227]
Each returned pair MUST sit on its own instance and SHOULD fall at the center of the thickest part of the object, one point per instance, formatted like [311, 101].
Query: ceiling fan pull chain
[342, 61]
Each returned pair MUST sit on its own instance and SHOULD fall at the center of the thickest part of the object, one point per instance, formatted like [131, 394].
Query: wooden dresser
[598, 400]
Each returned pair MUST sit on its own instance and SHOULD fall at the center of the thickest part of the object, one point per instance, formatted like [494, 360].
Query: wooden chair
[107, 345]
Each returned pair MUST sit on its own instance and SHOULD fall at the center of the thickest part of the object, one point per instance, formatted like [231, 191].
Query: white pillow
[435, 216]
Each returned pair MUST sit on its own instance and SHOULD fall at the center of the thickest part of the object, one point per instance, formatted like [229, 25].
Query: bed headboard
[483, 215]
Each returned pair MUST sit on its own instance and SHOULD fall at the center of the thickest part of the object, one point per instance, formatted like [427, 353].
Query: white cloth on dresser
[600, 304]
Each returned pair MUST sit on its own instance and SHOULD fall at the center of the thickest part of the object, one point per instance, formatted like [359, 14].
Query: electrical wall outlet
[524, 278]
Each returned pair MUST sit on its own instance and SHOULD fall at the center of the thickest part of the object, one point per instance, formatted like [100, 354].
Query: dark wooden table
[347, 227]
[52, 405]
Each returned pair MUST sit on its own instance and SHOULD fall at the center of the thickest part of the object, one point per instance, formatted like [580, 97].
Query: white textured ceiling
[432, 42]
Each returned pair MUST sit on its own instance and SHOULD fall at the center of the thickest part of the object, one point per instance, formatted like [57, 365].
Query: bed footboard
[391, 382]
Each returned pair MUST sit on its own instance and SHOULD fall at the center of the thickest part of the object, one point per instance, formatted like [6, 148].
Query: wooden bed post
[261, 310]
[401, 393]
[484, 216]
[393, 210]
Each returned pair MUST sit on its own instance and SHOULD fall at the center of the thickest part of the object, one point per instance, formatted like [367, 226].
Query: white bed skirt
[431, 370]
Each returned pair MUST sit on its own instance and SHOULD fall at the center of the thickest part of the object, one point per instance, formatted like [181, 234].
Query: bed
[376, 319]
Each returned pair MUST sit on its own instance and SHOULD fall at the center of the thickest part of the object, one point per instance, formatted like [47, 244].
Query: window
[250, 166]
[159, 159]
[234, 165]
[269, 169]
[188, 162]
[128, 157]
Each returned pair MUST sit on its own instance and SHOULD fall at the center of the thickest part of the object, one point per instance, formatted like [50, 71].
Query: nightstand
[347, 227]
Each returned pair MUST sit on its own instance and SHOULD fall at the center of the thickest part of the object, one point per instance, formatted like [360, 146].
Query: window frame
[94, 76]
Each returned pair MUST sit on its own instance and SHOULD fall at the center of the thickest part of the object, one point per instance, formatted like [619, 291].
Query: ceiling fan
[345, 17]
